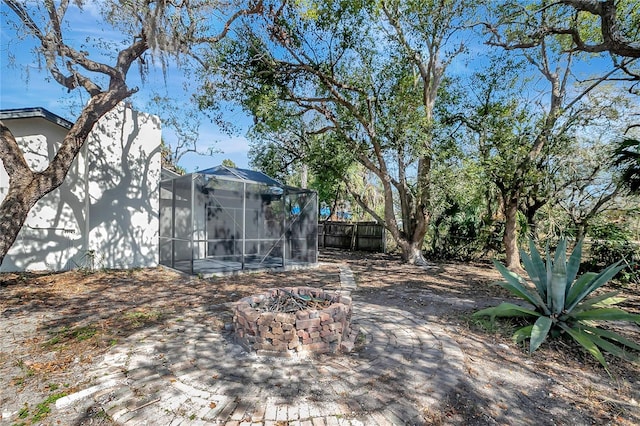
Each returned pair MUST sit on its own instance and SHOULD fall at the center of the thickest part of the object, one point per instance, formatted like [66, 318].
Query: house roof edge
[35, 112]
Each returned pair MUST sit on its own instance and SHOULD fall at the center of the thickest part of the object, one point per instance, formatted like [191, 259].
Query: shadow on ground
[54, 326]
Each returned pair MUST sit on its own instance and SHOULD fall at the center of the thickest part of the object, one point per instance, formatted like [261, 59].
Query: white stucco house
[105, 214]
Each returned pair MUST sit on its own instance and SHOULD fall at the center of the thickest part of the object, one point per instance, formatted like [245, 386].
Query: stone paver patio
[192, 373]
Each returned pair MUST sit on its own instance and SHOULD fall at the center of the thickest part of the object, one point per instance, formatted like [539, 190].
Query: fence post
[324, 235]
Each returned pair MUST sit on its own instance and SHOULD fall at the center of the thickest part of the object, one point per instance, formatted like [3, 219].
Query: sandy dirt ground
[53, 327]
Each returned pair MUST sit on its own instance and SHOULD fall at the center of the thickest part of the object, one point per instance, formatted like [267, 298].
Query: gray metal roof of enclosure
[241, 175]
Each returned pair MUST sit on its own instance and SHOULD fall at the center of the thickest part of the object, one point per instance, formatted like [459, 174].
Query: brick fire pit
[313, 330]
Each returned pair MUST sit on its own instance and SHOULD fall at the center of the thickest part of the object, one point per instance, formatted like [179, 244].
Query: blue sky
[23, 84]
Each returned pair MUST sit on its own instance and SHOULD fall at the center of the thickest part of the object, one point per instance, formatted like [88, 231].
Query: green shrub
[461, 233]
[562, 304]
[603, 252]
[612, 242]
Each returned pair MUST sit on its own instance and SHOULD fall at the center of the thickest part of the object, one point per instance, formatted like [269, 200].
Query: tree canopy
[360, 80]
[435, 117]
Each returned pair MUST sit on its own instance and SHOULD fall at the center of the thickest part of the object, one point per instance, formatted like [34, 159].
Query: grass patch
[67, 335]
[17, 381]
[28, 372]
[53, 341]
[140, 318]
[489, 326]
[101, 414]
[503, 327]
[43, 409]
[84, 333]
[24, 412]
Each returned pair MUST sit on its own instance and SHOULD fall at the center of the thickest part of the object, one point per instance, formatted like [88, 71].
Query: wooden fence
[366, 236]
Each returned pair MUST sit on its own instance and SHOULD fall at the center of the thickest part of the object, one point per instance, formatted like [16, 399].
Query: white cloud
[92, 7]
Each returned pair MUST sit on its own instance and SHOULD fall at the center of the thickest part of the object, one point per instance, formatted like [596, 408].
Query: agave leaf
[534, 274]
[531, 270]
[606, 314]
[522, 333]
[601, 279]
[549, 275]
[614, 349]
[559, 278]
[586, 341]
[539, 332]
[579, 285]
[524, 294]
[611, 336]
[538, 263]
[528, 266]
[561, 252]
[506, 309]
[515, 285]
[603, 300]
[573, 265]
[608, 302]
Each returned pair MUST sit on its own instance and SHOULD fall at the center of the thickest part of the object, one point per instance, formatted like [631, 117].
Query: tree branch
[613, 40]
[10, 153]
[257, 8]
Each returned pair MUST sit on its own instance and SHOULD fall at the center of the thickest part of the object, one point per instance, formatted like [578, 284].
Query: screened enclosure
[224, 219]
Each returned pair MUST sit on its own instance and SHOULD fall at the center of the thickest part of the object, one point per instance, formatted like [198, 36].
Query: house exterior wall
[124, 189]
[105, 214]
[51, 237]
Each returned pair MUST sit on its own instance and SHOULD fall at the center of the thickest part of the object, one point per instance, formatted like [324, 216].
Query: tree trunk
[510, 238]
[412, 253]
[304, 176]
[581, 228]
[26, 188]
[13, 212]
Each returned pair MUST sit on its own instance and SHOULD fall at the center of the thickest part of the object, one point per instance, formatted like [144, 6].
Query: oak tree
[365, 76]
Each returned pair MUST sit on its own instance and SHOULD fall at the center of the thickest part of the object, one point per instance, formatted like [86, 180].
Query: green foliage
[43, 408]
[486, 325]
[534, 20]
[462, 232]
[464, 206]
[24, 412]
[167, 159]
[229, 163]
[602, 251]
[611, 242]
[347, 88]
[627, 157]
[562, 303]
[609, 231]
[66, 334]
[141, 317]
[84, 333]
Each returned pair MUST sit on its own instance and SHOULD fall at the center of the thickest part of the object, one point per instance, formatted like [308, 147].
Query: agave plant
[561, 303]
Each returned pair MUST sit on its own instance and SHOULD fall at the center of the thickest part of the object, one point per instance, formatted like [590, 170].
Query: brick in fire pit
[320, 328]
